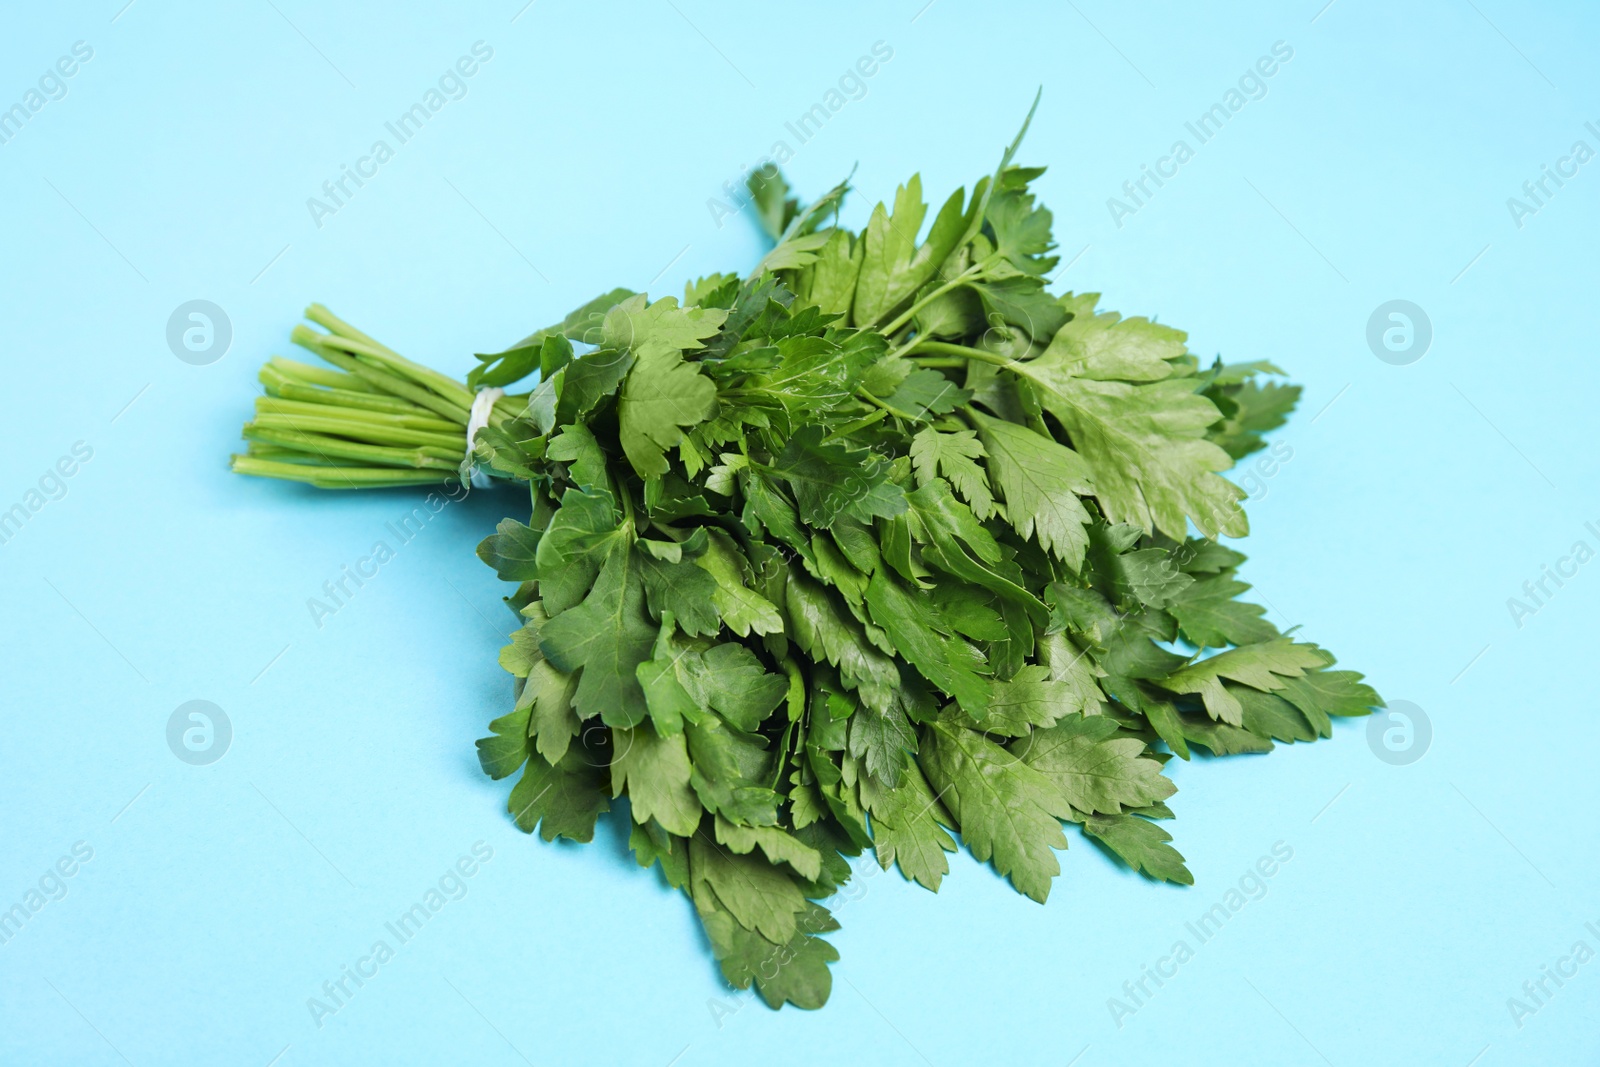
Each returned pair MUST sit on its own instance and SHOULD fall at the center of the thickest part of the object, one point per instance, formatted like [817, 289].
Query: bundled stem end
[374, 419]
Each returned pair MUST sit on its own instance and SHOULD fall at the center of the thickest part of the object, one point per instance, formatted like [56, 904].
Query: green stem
[279, 405]
[511, 406]
[311, 341]
[960, 279]
[888, 409]
[942, 348]
[446, 387]
[424, 456]
[308, 374]
[376, 433]
[290, 389]
[860, 424]
[325, 477]
[258, 450]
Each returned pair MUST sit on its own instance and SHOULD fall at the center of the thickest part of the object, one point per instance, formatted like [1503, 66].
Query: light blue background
[1377, 167]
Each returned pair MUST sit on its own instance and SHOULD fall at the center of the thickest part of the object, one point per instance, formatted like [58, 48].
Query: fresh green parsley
[881, 547]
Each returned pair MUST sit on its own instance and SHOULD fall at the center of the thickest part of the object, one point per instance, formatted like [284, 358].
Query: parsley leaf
[833, 480]
[1264, 665]
[560, 800]
[1041, 482]
[655, 772]
[607, 637]
[908, 827]
[662, 394]
[1008, 812]
[1096, 770]
[1143, 845]
[952, 455]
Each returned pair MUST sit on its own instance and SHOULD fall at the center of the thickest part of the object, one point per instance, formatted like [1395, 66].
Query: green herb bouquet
[876, 546]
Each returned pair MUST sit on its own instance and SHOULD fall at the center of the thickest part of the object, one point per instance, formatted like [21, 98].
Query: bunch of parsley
[878, 545]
